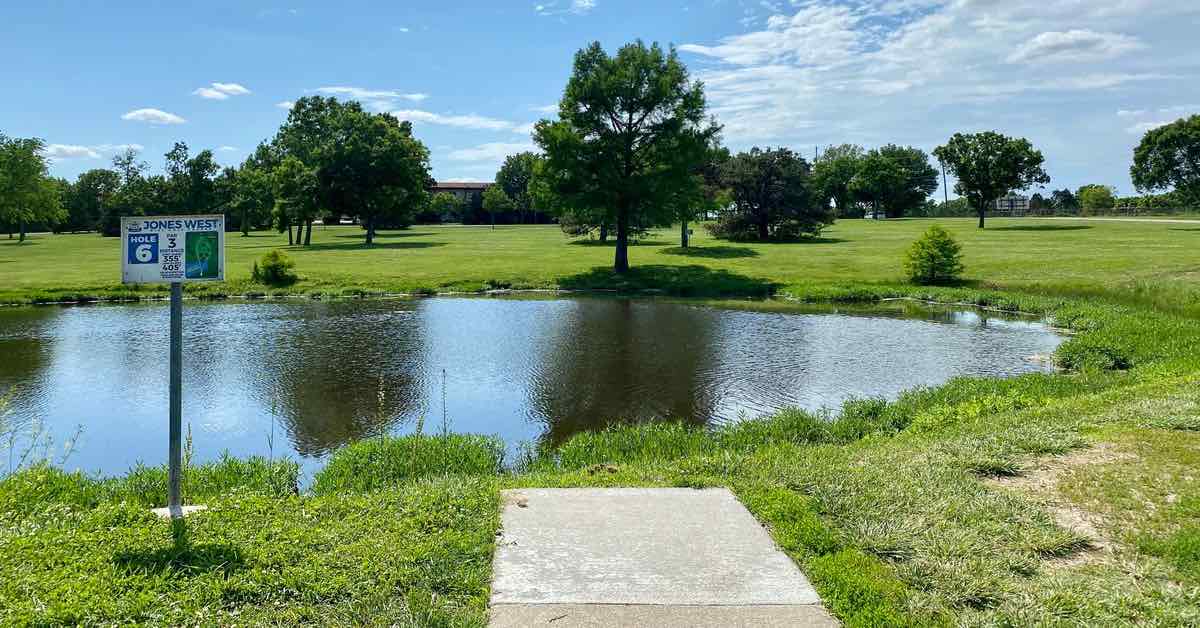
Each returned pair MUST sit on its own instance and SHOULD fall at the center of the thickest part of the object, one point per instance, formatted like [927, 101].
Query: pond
[302, 378]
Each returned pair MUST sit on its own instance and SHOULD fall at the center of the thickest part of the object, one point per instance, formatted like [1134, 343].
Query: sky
[1081, 79]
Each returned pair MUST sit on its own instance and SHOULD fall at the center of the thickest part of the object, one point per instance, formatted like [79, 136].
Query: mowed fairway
[1142, 261]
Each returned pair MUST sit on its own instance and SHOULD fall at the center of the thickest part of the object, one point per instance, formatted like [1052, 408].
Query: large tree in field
[27, 193]
[989, 165]
[919, 179]
[771, 196]
[513, 178]
[1169, 157]
[375, 170]
[496, 201]
[368, 165]
[632, 133]
[297, 198]
[832, 173]
[877, 179]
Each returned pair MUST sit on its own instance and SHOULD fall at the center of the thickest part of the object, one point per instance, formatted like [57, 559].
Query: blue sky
[1082, 79]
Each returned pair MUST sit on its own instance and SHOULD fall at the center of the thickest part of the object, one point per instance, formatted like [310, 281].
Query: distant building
[469, 192]
[1013, 203]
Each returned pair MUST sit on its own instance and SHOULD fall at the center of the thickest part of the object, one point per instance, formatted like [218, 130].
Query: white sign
[169, 249]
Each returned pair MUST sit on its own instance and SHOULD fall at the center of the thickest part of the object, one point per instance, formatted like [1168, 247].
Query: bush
[275, 269]
[934, 259]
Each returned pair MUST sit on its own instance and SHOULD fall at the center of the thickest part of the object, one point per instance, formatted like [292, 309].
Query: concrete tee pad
[632, 556]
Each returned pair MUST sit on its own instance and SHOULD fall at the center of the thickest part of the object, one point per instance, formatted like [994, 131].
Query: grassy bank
[1133, 262]
[1043, 499]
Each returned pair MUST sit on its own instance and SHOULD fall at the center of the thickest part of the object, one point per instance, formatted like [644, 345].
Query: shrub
[934, 259]
[275, 269]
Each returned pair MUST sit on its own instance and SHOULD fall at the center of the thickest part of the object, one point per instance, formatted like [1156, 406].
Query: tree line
[329, 159]
[633, 147]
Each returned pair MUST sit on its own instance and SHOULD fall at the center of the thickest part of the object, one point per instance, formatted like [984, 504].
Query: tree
[876, 181]
[446, 207]
[1037, 202]
[375, 170]
[367, 165]
[1063, 201]
[496, 200]
[514, 177]
[771, 198]
[27, 193]
[252, 197]
[632, 133]
[935, 258]
[1096, 197]
[989, 165]
[832, 173]
[1169, 157]
[918, 179]
[89, 197]
[297, 198]
[132, 196]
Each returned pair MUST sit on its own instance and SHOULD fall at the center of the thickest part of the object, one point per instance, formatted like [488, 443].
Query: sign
[172, 249]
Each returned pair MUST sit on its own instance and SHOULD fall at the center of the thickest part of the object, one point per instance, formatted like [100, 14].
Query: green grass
[379, 463]
[907, 512]
[1136, 262]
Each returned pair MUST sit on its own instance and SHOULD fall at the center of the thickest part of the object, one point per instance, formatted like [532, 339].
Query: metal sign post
[174, 250]
[175, 454]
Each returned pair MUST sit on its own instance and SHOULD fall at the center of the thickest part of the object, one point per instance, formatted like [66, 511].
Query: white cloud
[220, 91]
[153, 116]
[61, 152]
[403, 29]
[490, 152]
[546, 108]
[227, 149]
[58, 152]
[286, 104]
[470, 121]
[1130, 113]
[375, 99]
[816, 34]
[555, 7]
[119, 148]
[1074, 46]
[915, 71]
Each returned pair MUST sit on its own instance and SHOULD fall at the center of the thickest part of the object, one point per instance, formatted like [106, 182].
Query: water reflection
[323, 374]
[623, 360]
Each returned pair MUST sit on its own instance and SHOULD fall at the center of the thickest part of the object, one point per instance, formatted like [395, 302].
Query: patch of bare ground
[1040, 481]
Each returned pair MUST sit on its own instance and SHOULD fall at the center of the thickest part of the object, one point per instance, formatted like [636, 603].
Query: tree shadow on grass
[385, 234]
[712, 252]
[816, 240]
[1042, 228]
[1184, 229]
[686, 281]
[182, 558]
[360, 246]
[612, 243]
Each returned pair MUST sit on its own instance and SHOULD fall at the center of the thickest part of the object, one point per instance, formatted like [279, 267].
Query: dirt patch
[1040, 481]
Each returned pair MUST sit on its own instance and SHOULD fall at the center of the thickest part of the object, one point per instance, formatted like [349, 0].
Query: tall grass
[385, 462]
[42, 484]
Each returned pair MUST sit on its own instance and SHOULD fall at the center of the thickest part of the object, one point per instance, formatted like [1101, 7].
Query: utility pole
[945, 190]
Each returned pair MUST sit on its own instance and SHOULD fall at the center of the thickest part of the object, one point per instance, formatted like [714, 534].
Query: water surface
[300, 378]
